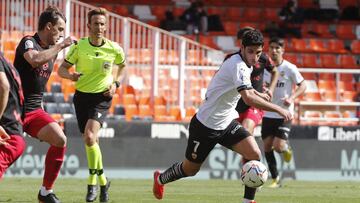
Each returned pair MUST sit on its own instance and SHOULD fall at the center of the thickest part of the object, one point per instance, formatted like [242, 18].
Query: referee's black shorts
[90, 106]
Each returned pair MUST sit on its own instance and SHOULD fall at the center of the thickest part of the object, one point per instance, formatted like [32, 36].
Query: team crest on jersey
[106, 65]
[29, 44]
[282, 73]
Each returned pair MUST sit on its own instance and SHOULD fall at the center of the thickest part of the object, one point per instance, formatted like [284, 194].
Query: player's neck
[43, 39]
[96, 41]
[279, 61]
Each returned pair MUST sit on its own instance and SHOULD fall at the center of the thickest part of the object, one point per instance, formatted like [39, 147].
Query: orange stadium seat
[345, 86]
[329, 96]
[274, 3]
[160, 113]
[345, 31]
[346, 3]
[231, 28]
[233, 14]
[251, 14]
[128, 99]
[332, 114]
[312, 96]
[355, 46]
[310, 61]
[189, 112]
[348, 61]
[131, 111]
[292, 58]
[327, 76]
[357, 86]
[159, 11]
[299, 45]
[311, 114]
[317, 45]
[215, 11]
[144, 100]
[348, 96]
[346, 77]
[271, 14]
[309, 76]
[329, 61]
[336, 46]
[175, 112]
[322, 30]
[159, 100]
[145, 112]
[306, 4]
[326, 85]
[208, 41]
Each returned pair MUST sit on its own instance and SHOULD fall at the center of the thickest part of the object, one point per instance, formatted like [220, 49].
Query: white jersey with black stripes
[218, 109]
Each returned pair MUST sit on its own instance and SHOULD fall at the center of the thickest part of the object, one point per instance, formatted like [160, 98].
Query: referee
[99, 63]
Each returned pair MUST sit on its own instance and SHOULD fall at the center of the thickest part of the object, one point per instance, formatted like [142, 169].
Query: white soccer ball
[254, 174]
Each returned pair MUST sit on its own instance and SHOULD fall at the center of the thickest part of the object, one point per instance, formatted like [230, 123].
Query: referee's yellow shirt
[95, 63]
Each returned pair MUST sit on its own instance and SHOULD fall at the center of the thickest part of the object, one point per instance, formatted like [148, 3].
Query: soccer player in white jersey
[215, 121]
[275, 129]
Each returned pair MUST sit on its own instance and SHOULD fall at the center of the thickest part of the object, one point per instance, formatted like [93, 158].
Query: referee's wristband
[117, 84]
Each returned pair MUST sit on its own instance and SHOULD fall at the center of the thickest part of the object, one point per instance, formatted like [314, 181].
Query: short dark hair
[242, 31]
[253, 38]
[96, 11]
[51, 14]
[278, 41]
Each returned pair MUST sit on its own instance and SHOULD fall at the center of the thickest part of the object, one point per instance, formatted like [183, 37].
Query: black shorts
[90, 106]
[275, 127]
[203, 139]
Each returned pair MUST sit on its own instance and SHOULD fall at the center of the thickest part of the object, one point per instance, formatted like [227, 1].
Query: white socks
[44, 191]
[247, 201]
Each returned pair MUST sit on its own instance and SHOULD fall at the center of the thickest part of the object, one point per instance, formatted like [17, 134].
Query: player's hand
[3, 136]
[67, 42]
[75, 76]
[265, 96]
[111, 90]
[286, 114]
[287, 101]
[268, 92]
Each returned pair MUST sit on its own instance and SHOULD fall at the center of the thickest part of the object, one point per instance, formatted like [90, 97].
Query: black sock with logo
[173, 173]
[270, 158]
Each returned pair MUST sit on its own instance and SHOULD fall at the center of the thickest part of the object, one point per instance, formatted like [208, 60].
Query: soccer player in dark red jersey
[12, 143]
[250, 116]
[34, 59]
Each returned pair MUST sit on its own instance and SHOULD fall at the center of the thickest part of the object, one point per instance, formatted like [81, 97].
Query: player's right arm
[4, 95]
[69, 61]
[38, 58]
[252, 99]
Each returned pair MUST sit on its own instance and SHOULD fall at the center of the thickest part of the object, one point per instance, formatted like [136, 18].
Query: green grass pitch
[186, 191]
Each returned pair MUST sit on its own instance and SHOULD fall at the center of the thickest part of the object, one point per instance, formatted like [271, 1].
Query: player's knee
[254, 154]
[278, 148]
[60, 141]
[89, 140]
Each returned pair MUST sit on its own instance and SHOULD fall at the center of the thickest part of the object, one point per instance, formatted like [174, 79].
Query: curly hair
[253, 38]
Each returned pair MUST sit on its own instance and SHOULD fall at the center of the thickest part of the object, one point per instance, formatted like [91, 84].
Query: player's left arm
[272, 69]
[4, 95]
[117, 69]
[297, 78]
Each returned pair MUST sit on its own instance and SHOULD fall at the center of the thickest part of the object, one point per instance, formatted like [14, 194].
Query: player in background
[99, 63]
[12, 143]
[215, 121]
[275, 130]
[250, 116]
[34, 60]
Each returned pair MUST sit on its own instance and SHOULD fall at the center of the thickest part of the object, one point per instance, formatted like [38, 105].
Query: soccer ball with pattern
[254, 174]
